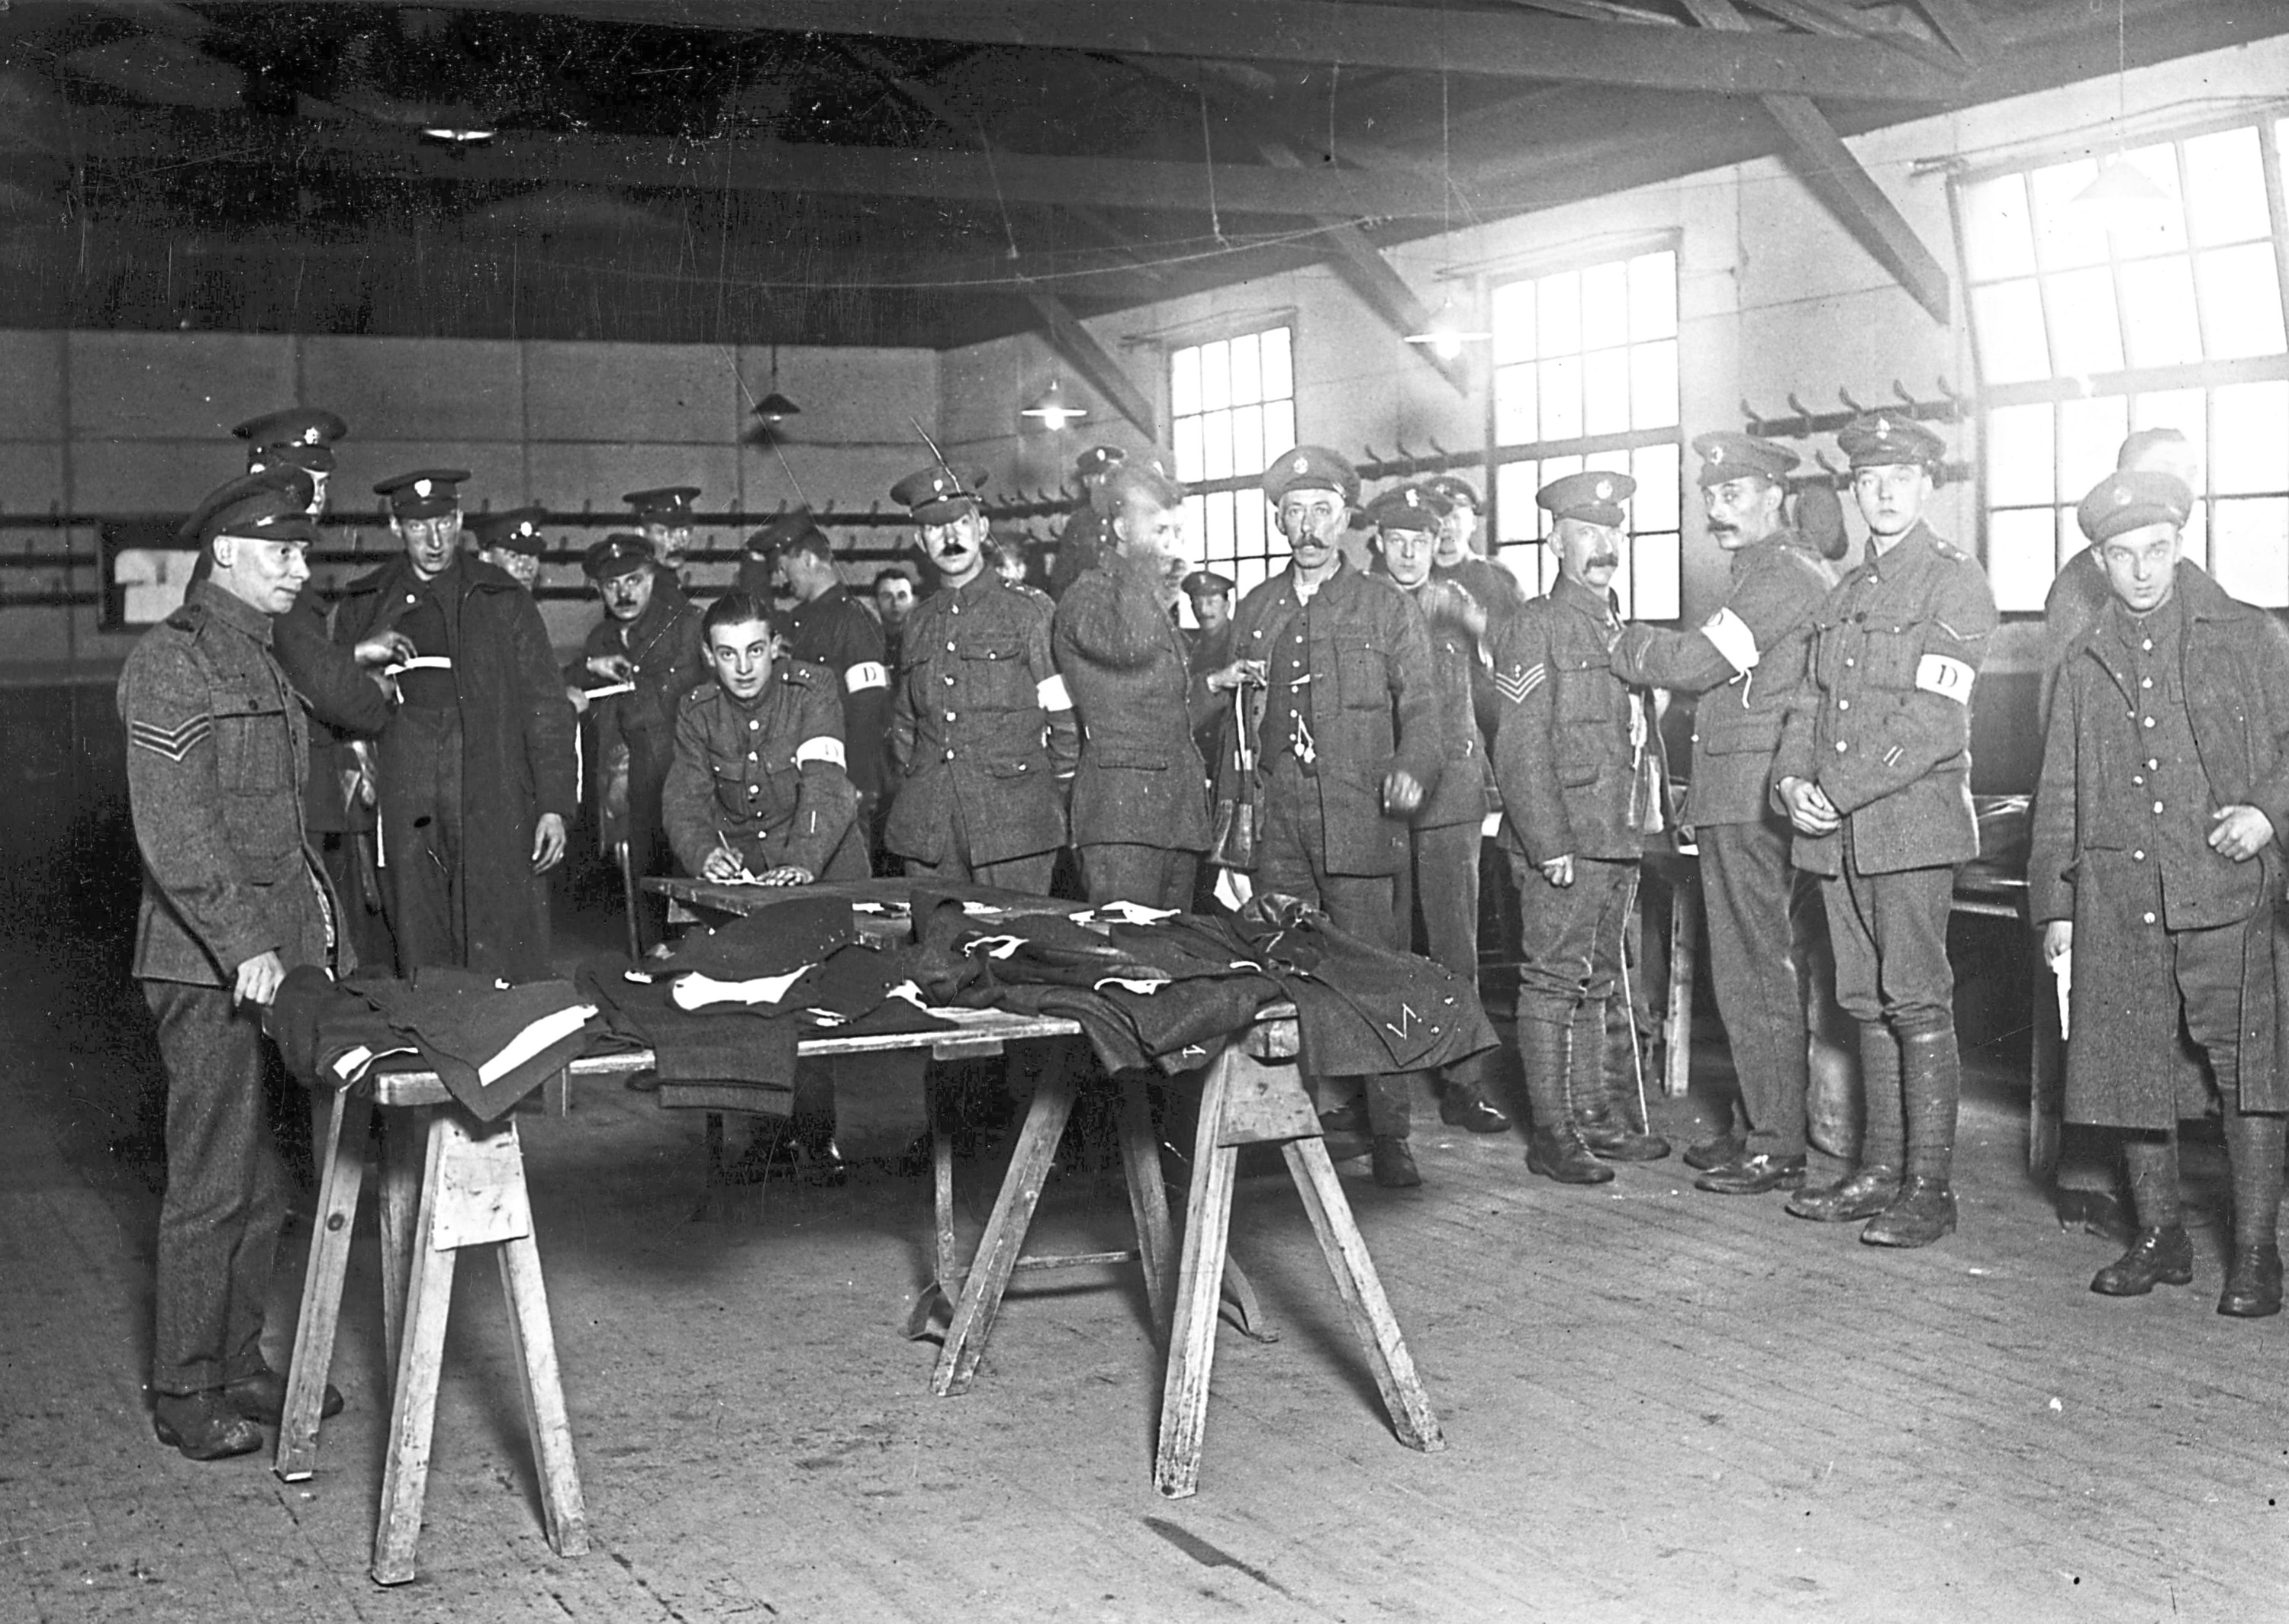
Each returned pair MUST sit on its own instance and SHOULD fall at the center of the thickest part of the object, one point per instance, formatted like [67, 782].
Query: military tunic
[349, 710]
[982, 738]
[1747, 664]
[833, 631]
[1140, 816]
[663, 645]
[2158, 723]
[216, 752]
[767, 778]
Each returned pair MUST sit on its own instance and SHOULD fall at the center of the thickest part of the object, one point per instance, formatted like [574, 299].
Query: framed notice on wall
[146, 571]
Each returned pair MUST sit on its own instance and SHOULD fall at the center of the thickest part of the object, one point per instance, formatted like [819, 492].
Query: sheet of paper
[419, 661]
[610, 690]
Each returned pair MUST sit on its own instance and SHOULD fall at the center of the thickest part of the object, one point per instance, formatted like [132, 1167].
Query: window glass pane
[1605, 306]
[1187, 436]
[1614, 461]
[1246, 371]
[2249, 438]
[1250, 515]
[1653, 574]
[1515, 483]
[1654, 469]
[2066, 236]
[2090, 438]
[2194, 538]
[1557, 313]
[1247, 439]
[1220, 531]
[2157, 299]
[2086, 333]
[1216, 375]
[1998, 235]
[2187, 410]
[2225, 187]
[2008, 319]
[1279, 430]
[1215, 445]
[1558, 468]
[2135, 233]
[2020, 456]
[1514, 322]
[1184, 382]
[1653, 296]
[2241, 302]
[2021, 543]
[2250, 541]
[1275, 359]
[1516, 420]
[1249, 574]
[2071, 539]
[1606, 392]
[1196, 527]
[1561, 399]
[1653, 385]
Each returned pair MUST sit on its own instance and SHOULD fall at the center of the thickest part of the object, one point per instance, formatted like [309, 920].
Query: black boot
[1591, 1092]
[1931, 1083]
[2253, 1146]
[1870, 1189]
[1393, 1164]
[2161, 1254]
[1464, 1104]
[1554, 1149]
[1919, 1214]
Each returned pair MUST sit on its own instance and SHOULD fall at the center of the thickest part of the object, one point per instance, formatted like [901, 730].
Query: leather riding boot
[2254, 1143]
[2162, 1254]
[1931, 1087]
[1871, 1187]
[1629, 1082]
[1554, 1147]
[1591, 1091]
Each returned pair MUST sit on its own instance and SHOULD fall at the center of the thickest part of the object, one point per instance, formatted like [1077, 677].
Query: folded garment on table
[490, 1042]
[736, 1044]
[782, 933]
[328, 1036]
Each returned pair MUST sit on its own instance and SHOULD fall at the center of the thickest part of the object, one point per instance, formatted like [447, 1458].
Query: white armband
[1950, 679]
[1053, 694]
[1732, 638]
[823, 748]
[865, 674]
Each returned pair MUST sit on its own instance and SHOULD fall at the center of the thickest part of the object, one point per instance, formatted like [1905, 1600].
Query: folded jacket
[491, 1043]
[707, 1044]
[780, 935]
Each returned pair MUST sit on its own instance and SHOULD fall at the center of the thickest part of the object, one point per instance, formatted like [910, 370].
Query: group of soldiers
[1344, 735]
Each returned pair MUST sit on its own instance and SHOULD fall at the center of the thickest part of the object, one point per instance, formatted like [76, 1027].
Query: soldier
[664, 517]
[649, 637]
[1088, 534]
[300, 437]
[1140, 814]
[1747, 661]
[827, 627]
[1578, 763]
[1211, 596]
[982, 735]
[894, 597]
[1348, 743]
[1874, 770]
[1459, 558]
[1439, 884]
[511, 543]
[476, 765]
[758, 787]
[2157, 864]
[232, 899]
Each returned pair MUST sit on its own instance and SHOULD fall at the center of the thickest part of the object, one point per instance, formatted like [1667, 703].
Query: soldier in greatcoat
[2156, 872]
[1874, 770]
[1578, 763]
[1747, 663]
[983, 744]
[1439, 884]
[826, 626]
[1345, 741]
[1140, 814]
[233, 898]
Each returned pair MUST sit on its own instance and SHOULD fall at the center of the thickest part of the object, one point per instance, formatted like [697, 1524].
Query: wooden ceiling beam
[1515, 44]
[1960, 27]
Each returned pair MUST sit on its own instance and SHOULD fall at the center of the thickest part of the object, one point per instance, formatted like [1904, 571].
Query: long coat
[1140, 781]
[2096, 851]
[516, 750]
[1884, 727]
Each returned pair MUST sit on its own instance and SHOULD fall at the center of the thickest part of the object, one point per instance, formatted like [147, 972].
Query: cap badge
[1883, 428]
[1604, 489]
[2121, 497]
[311, 436]
[421, 489]
[1302, 465]
[1716, 453]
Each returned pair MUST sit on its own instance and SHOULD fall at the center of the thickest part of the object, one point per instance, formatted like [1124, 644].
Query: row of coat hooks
[1801, 422]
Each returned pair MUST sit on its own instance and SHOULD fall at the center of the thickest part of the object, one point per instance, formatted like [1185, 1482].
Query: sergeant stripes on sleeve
[172, 743]
[1516, 685]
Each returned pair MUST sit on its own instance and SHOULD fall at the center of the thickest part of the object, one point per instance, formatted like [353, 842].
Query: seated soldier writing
[758, 790]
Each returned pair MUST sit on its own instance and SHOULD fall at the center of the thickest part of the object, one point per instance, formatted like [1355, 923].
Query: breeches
[1889, 935]
[1571, 938]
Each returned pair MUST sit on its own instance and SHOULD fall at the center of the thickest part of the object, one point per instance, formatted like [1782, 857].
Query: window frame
[1199, 337]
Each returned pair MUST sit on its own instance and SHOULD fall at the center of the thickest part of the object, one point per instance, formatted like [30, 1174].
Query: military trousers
[1151, 875]
[1752, 895]
[420, 816]
[1292, 858]
[1889, 935]
[1571, 938]
[227, 1190]
[1438, 892]
[1029, 874]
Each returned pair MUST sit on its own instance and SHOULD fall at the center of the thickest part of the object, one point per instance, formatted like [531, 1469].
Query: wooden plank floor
[1659, 1405]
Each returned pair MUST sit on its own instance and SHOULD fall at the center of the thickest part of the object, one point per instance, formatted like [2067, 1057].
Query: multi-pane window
[1585, 376]
[2092, 318]
[1232, 408]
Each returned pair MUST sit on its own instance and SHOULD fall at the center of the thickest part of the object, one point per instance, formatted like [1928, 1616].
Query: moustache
[1604, 561]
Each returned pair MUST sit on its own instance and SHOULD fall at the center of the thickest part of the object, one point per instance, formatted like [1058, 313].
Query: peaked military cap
[1886, 440]
[1104, 495]
[2131, 499]
[1098, 461]
[939, 492]
[1456, 490]
[618, 554]
[517, 530]
[264, 506]
[423, 494]
[669, 504]
[1207, 583]
[1142, 474]
[1311, 467]
[796, 524]
[301, 435]
[1591, 496]
[1407, 508]
[1728, 455]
